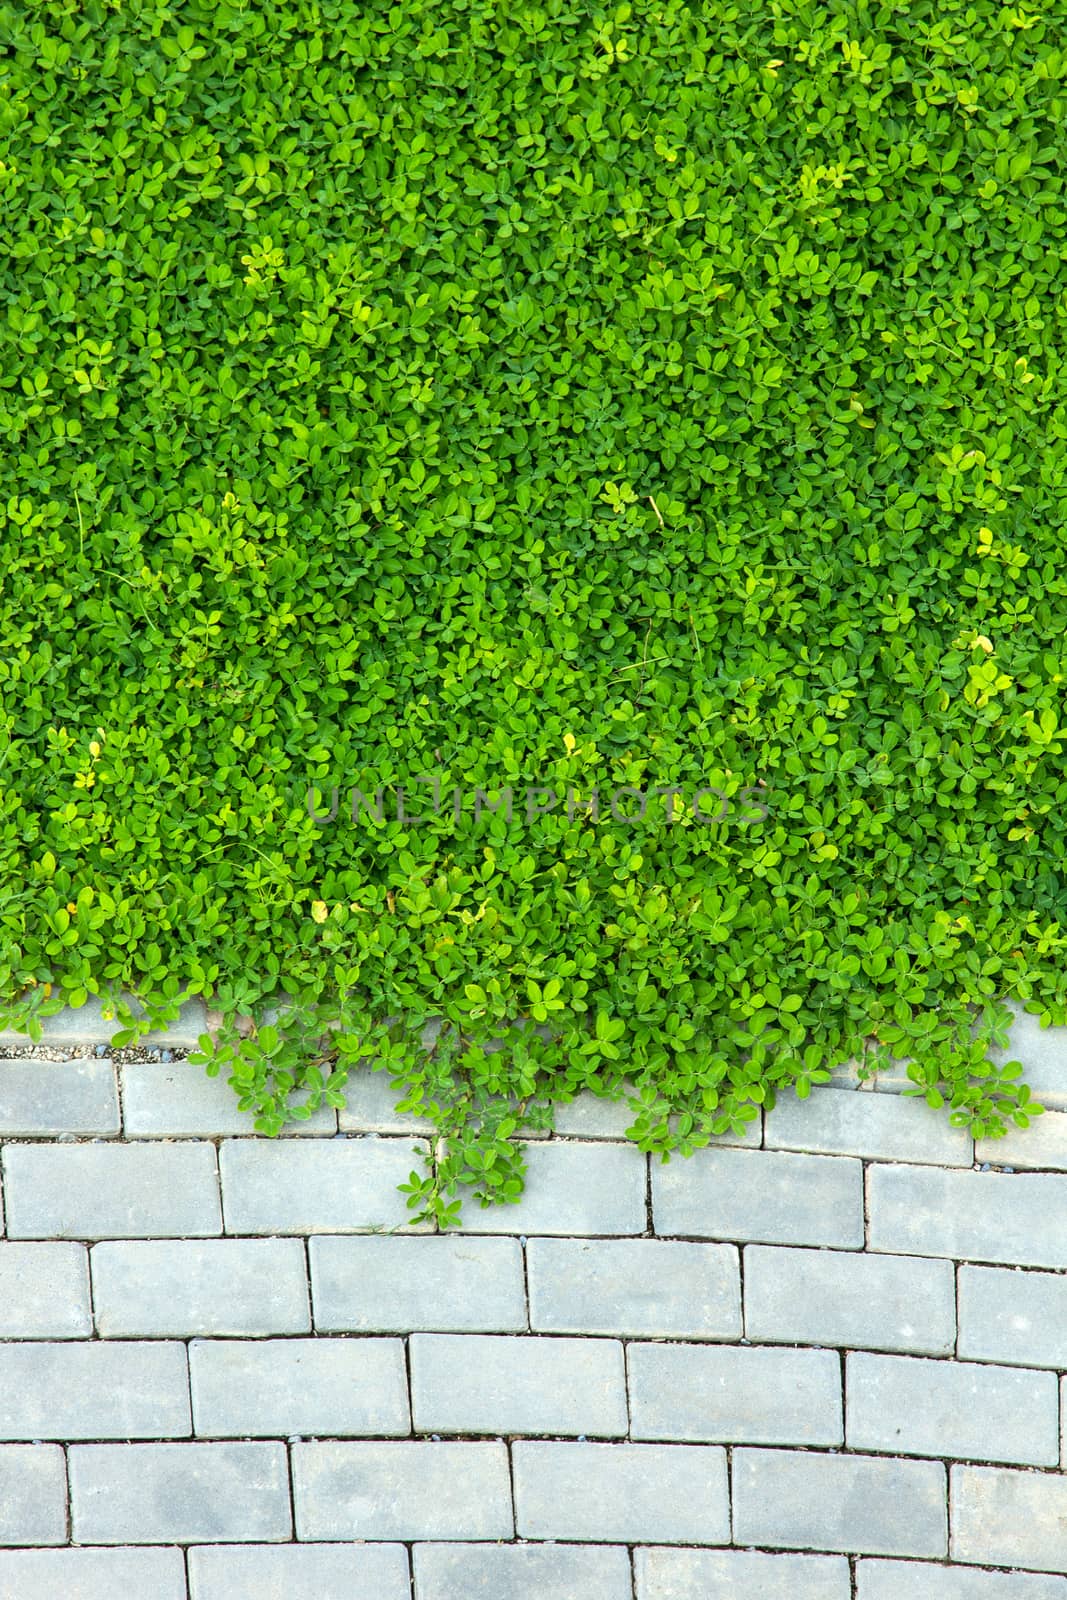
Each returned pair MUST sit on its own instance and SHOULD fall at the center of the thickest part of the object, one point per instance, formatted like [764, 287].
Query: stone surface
[740, 1575]
[179, 1493]
[634, 1287]
[411, 1489]
[44, 1291]
[263, 1389]
[38, 1098]
[972, 1216]
[1009, 1519]
[89, 1025]
[1042, 1144]
[799, 1500]
[33, 1495]
[175, 1100]
[445, 1284]
[837, 1297]
[735, 1395]
[93, 1390]
[1043, 1053]
[92, 1574]
[1012, 1316]
[474, 1383]
[883, 1126]
[619, 1493]
[572, 1188]
[522, 1572]
[765, 1197]
[904, 1405]
[915, 1580]
[110, 1191]
[315, 1185]
[297, 1572]
[370, 1106]
[180, 1287]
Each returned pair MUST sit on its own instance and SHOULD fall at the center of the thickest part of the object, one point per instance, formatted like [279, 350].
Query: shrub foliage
[540, 396]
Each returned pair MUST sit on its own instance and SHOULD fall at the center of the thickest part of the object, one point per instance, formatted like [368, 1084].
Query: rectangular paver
[94, 1390]
[42, 1098]
[848, 1122]
[592, 1116]
[572, 1187]
[174, 1100]
[370, 1106]
[619, 1493]
[915, 1580]
[88, 1574]
[973, 1216]
[849, 1298]
[1042, 1144]
[443, 1283]
[480, 1383]
[110, 1191]
[735, 1394]
[905, 1405]
[410, 1489]
[267, 1388]
[298, 1572]
[33, 1495]
[766, 1197]
[800, 1500]
[1015, 1317]
[316, 1185]
[731, 1574]
[180, 1287]
[1009, 1519]
[44, 1291]
[179, 1493]
[522, 1572]
[637, 1287]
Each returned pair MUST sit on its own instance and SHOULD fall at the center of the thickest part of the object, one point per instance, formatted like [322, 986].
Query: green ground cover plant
[549, 396]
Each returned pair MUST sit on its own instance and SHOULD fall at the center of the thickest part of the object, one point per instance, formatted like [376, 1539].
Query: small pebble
[101, 1050]
[166, 1055]
[984, 1167]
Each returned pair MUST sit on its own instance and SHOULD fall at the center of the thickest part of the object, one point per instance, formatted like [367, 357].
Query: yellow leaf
[319, 912]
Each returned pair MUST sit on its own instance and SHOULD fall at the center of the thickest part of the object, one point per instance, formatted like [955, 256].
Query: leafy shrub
[667, 394]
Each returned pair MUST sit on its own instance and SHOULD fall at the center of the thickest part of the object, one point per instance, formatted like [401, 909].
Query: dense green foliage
[548, 395]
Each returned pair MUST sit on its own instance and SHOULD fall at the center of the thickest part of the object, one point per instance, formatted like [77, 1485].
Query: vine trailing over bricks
[667, 395]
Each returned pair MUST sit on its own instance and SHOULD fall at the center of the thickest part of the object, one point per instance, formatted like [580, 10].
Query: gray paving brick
[915, 1580]
[479, 1383]
[619, 1493]
[592, 1116]
[840, 1297]
[287, 1386]
[730, 1574]
[1043, 1053]
[88, 1574]
[799, 1500]
[89, 1025]
[973, 1216]
[179, 1493]
[179, 1287]
[767, 1196]
[1042, 1144]
[298, 1572]
[735, 1394]
[1015, 1317]
[368, 1284]
[175, 1100]
[411, 1489]
[110, 1191]
[33, 1495]
[93, 1390]
[1009, 1519]
[44, 1291]
[370, 1106]
[904, 1405]
[522, 1572]
[39, 1098]
[316, 1185]
[650, 1287]
[572, 1187]
[879, 1126]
